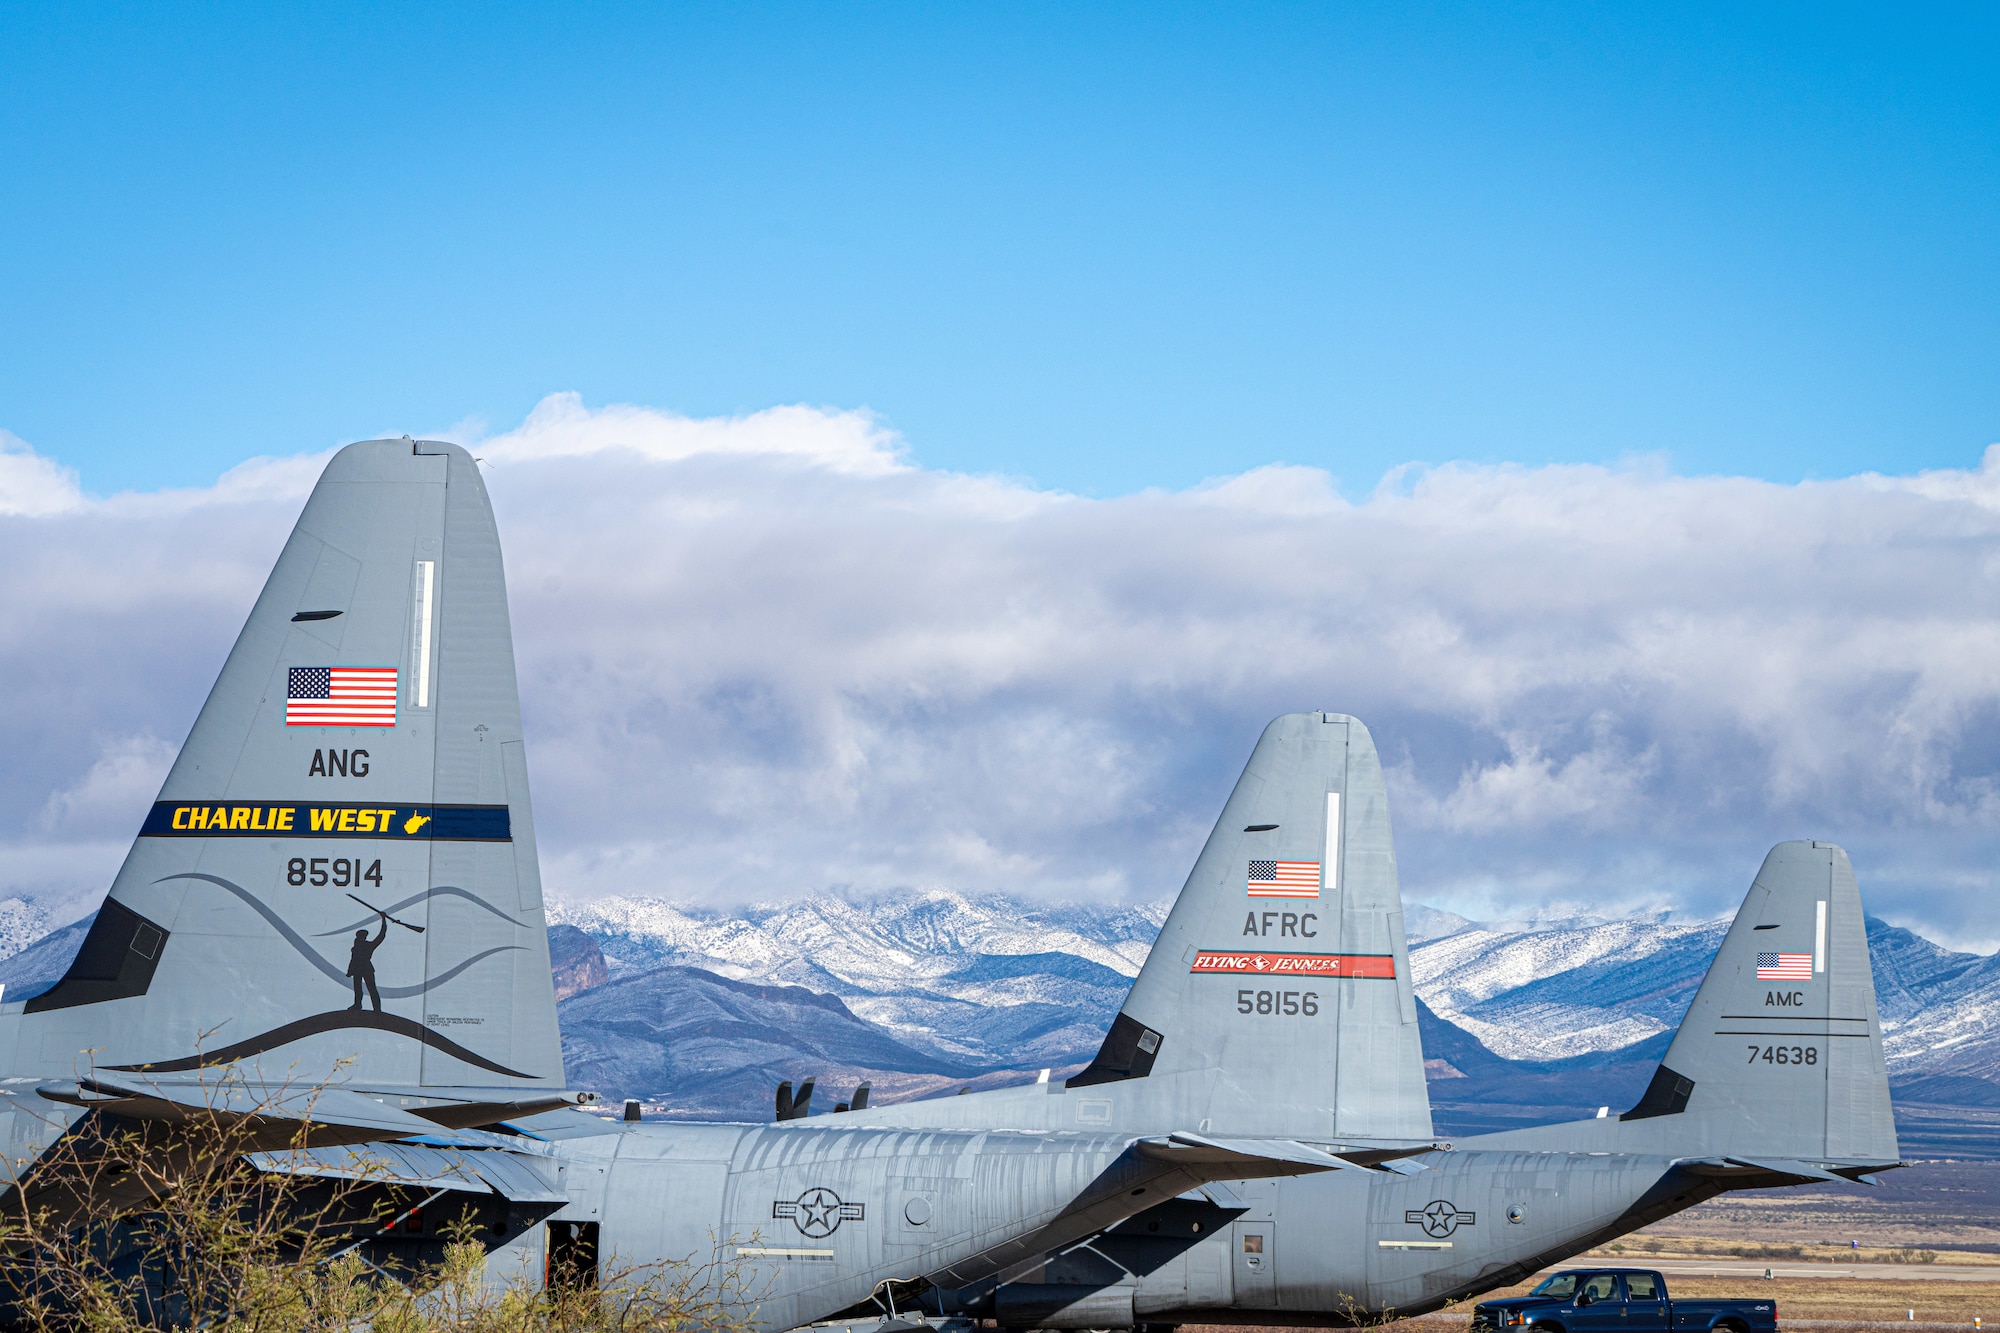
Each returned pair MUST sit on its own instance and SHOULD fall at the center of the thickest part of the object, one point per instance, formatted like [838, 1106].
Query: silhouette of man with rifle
[361, 963]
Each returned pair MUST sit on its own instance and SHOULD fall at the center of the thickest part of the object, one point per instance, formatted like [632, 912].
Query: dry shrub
[200, 1222]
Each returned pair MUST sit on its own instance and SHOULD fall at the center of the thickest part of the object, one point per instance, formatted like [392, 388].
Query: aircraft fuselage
[797, 1223]
[1345, 1247]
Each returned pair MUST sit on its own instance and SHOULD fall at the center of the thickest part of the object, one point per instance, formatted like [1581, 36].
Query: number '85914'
[339, 871]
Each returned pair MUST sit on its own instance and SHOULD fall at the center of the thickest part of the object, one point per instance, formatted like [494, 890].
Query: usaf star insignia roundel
[818, 1212]
[1439, 1218]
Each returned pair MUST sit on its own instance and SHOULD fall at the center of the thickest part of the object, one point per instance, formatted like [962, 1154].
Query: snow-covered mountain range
[21, 924]
[1548, 992]
[1940, 1017]
[700, 1011]
[1015, 984]
[1545, 993]
[993, 981]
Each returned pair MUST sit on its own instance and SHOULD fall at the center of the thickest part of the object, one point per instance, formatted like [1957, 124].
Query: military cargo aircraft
[1277, 1001]
[332, 919]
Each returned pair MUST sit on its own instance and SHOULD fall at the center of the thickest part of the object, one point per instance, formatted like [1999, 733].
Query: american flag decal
[1784, 967]
[1284, 879]
[340, 697]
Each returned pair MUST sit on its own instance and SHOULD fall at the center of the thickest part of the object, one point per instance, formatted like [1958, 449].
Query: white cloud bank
[767, 654]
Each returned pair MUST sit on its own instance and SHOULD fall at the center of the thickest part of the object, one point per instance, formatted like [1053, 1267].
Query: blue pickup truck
[1618, 1300]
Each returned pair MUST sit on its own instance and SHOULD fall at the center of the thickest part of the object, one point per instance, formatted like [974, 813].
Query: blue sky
[1103, 248]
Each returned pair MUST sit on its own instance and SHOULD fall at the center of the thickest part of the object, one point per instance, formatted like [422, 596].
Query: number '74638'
[1785, 1055]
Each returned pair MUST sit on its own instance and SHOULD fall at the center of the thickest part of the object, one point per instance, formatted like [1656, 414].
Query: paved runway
[1756, 1268]
[1460, 1319]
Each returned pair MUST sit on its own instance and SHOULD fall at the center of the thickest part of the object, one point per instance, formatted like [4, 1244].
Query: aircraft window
[1253, 1244]
[1562, 1284]
[1640, 1287]
[1602, 1287]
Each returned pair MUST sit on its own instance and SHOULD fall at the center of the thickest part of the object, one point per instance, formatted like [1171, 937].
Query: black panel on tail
[1128, 1051]
[1667, 1094]
[116, 961]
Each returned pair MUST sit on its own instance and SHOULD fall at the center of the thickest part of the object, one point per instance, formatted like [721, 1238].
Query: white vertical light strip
[1819, 939]
[1329, 878]
[426, 572]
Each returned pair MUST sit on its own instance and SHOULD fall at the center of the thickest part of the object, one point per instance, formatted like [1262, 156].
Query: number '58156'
[1277, 1002]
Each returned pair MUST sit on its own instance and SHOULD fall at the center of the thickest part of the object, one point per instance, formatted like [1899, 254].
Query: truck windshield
[1562, 1284]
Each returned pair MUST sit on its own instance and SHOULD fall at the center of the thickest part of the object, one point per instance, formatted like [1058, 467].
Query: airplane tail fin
[1780, 1055]
[338, 879]
[1277, 999]
[1778, 1062]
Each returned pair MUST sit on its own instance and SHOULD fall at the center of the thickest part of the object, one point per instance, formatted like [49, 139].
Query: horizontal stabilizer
[513, 1176]
[466, 1138]
[365, 1113]
[1387, 1155]
[1793, 1167]
[1784, 1168]
[149, 1099]
[1244, 1159]
[1740, 1169]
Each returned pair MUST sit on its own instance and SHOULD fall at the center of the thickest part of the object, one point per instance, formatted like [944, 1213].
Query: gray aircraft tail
[1282, 977]
[1778, 1062]
[1277, 999]
[338, 880]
